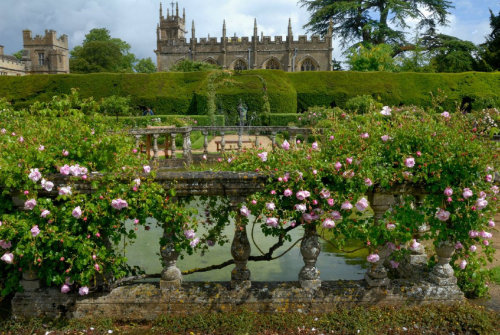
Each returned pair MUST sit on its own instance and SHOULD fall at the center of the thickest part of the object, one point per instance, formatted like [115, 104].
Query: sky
[134, 21]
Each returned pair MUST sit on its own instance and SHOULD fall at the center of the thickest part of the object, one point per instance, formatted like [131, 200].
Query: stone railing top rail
[182, 130]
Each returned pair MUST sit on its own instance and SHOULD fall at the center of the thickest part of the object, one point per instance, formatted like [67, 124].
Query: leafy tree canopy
[102, 53]
[145, 65]
[371, 58]
[18, 55]
[190, 66]
[374, 21]
[491, 49]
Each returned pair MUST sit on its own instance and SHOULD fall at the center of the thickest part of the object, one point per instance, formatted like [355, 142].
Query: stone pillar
[442, 274]
[310, 249]
[155, 146]
[240, 250]
[186, 147]
[377, 274]
[30, 281]
[171, 276]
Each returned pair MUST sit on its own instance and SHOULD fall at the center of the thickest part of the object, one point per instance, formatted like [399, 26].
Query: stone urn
[310, 249]
[442, 273]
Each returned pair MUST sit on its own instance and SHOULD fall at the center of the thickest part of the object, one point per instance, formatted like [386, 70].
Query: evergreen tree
[491, 49]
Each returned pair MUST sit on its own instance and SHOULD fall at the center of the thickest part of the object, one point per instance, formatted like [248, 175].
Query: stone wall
[11, 66]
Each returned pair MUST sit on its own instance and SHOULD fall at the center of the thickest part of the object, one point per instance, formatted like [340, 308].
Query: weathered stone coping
[147, 301]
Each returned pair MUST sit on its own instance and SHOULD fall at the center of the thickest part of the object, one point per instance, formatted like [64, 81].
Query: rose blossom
[442, 215]
[346, 205]
[270, 206]
[348, 160]
[30, 204]
[481, 203]
[5, 245]
[8, 258]
[394, 264]
[330, 202]
[65, 170]
[467, 193]
[119, 204]
[385, 138]
[365, 135]
[47, 185]
[254, 202]
[194, 242]
[473, 248]
[35, 175]
[300, 208]
[486, 242]
[65, 152]
[273, 222]
[368, 182]
[97, 267]
[77, 212]
[458, 246]
[338, 166]
[315, 146]
[65, 288]
[488, 178]
[146, 169]
[390, 226]
[485, 234]
[373, 258]
[324, 194]
[463, 264]
[65, 190]
[244, 211]
[494, 189]
[285, 145]
[409, 162]
[414, 245]
[83, 290]
[362, 204]
[335, 215]
[491, 223]
[328, 223]
[473, 234]
[189, 234]
[448, 191]
[288, 192]
[45, 213]
[386, 111]
[301, 195]
[263, 156]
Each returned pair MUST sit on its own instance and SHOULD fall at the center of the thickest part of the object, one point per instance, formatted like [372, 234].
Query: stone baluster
[442, 274]
[273, 139]
[310, 249]
[137, 141]
[293, 139]
[205, 142]
[155, 146]
[240, 250]
[377, 273]
[186, 147]
[256, 139]
[222, 143]
[240, 139]
[172, 145]
[30, 281]
[171, 276]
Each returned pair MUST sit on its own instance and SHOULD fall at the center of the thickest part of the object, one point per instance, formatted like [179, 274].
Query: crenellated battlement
[49, 39]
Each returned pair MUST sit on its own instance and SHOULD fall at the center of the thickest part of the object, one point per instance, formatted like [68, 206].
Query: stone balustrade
[439, 284]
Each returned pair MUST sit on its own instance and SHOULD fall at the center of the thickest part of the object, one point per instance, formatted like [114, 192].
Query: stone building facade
[257, 52]
[46, 54]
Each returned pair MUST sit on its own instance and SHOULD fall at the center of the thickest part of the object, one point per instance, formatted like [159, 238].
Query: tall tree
[101, 53]
[374, 21]
[451, 54]
[145, 65]
[491, 49]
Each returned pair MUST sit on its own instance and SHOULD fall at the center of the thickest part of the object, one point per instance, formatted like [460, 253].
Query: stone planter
[443, 273]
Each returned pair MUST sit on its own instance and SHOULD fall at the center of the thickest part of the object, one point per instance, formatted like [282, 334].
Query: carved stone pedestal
[240, 250]
[30, 281]
[171, 276]
[443, 273]
[310, 249]
[376, 276]
[415, 264]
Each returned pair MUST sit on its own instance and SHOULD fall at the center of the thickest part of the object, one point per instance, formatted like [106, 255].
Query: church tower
[172, 27]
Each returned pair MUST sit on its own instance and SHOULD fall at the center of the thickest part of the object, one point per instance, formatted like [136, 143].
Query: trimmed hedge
[143, 121]
[186, 93]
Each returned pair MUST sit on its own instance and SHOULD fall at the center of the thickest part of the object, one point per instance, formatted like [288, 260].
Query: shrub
[115, 106]
[362, 104]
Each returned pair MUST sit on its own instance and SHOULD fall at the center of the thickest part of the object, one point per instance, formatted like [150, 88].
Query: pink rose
[65, 170]
[365, 135]
[83, 290]
[445, 114]
[300, 208]
[481, 203]
[189, 234]
[263, 156]
[390, 226]
[491, 223]
[373, 258]
[8, 258]
[194, 242]
[315, 146]
[288, 192]
[463, 264]
[448, 191]
[488, 178]
[467, 193]
[386, 111]
[348, 160]
[272, 222]
[285, 145]
[394, 264]
[473, 234]
[270, 206]
[409, 162]
[301, 195]
[442, 215]
[244, 211]
[414, 245]
[30, 204]
[346, 205]
[65, 152]
[146, 169]
[45, 213]
[486, 242]
[332, 137]
[385, 138]
[77, 212]
[5, 245]
[35, 175]
[458, 246]
[494, 189]
[254, 202]
[65, 288]
[362, 204]
[324, 194]
[336, 215]
[330, 202]
[65, 190]
[47, 185]
[119, 204]
[97, 267]
[368, 182]
[473, 248]
[328, 223]
[338, 166]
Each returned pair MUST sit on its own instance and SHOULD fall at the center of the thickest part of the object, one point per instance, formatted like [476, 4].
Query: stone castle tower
[45, 54]
[257, 52]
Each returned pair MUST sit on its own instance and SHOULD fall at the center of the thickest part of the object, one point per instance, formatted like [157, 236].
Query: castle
[41, 55]
[240, 53]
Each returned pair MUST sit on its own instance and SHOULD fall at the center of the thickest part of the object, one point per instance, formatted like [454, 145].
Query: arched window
[210, 61]
[273, 64]
[240, 64]
[308, 65]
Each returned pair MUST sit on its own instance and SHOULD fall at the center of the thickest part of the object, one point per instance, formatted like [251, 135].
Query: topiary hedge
[186, 93]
